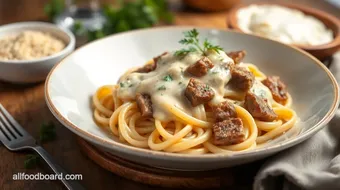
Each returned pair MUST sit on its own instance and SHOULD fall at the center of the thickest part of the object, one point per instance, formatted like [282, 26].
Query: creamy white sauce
[283, 24]
[172, 91]
[262, 91]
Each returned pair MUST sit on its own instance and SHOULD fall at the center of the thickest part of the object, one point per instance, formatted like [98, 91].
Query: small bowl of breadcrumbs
[29, 50]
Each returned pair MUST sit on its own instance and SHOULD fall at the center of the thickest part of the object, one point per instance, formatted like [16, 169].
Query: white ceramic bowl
[28, 71]
[312, 86]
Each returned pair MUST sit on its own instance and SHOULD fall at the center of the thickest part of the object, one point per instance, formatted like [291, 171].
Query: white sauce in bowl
[283, 24]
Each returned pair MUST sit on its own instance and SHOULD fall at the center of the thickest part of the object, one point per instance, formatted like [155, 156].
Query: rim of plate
[117, 146]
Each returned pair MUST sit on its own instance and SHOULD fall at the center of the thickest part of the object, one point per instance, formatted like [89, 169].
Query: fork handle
[71, 185]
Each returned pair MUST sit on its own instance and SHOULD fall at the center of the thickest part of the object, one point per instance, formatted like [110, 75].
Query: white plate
[74, 80]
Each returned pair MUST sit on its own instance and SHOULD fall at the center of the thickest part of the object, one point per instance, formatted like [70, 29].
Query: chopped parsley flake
[121, 85]
[130, 85]
[206, 88]
[179, 83]
[182, 70]
[167, 78]
[161, 88]
[214, 72]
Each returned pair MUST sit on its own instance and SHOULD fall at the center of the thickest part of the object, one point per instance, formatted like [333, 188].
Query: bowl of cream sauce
[313, 30]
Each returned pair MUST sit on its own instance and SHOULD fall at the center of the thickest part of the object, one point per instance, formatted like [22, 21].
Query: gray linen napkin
[313, 164]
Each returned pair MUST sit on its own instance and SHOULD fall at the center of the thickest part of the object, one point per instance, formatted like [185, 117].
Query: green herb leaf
[184, 52]
[130, 15]
[31, 161]
[182, 70]
[191, 33]
[54, 8]
[79, 29]
[161, 88]
[208, 46]
[191, 39]
[186, 41]
[168, 17]
[179, 83]
[167, 78]
[206, 88]
[121, 84]
[47, 132]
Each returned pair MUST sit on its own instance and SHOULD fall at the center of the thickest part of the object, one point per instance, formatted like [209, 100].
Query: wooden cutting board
[156, 176]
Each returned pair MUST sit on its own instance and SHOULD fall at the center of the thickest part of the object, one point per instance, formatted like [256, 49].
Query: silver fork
[15, 138]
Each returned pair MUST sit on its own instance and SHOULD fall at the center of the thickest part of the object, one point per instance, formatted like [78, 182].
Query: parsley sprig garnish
[192, 42]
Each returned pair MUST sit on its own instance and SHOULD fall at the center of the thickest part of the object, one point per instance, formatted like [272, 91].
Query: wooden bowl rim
[232, 22]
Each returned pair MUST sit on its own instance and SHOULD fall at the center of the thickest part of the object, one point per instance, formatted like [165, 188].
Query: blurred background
[24, 10]
[97, 18]
[93, 19]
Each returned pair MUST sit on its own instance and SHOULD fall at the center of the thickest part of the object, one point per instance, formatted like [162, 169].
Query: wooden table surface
[27, 105]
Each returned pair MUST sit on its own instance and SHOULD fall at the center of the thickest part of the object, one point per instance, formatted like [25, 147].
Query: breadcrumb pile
[29, 45]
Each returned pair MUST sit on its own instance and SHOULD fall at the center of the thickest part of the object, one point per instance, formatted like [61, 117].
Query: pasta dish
[196, 100]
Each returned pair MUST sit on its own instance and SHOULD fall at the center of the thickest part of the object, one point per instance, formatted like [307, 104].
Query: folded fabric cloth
[313, 164]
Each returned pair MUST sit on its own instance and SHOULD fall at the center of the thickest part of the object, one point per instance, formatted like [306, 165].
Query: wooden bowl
[319, 51]
[206, 5]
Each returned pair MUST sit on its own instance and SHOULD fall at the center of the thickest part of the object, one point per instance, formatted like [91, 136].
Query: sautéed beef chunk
[277, 88]
[155, 59]
[201, 67]
[151, 66]
[259, 108]
[144, 104]
[241, 78]
[223, 111]
[227, 132]
[147, 68]
[198, 93]
[237, 56]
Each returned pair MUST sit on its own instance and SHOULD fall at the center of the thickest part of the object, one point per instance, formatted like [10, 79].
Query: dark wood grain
[155, 176]
[27, 104]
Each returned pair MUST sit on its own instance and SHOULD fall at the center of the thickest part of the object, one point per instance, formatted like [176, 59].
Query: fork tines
[9, 128]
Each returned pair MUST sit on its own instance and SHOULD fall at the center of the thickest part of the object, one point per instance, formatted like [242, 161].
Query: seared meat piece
[155, 59]
[259, 108]
[237, 56]
[223, 111]
[277, 88]
[241, 78]
[147, 68]
[228, 132]
[144, 104]
[198, 92]
[201, 67]
[152, 66]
